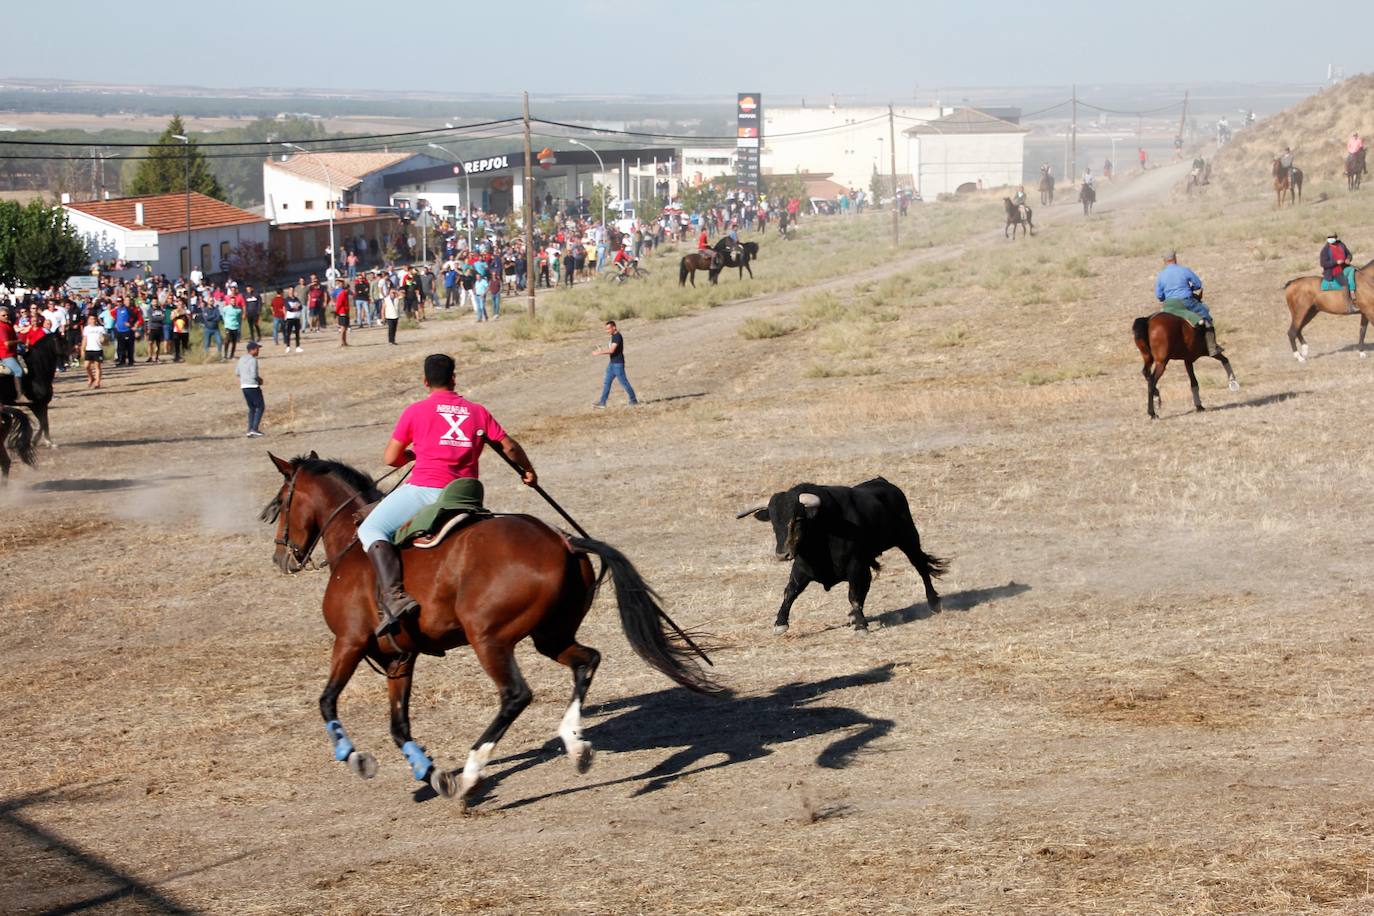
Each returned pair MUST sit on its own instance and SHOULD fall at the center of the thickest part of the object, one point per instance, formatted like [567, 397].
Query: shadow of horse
[740, 730]
[1264, 401]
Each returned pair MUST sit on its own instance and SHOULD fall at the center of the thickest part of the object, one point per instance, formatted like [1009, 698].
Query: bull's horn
[809, 500]
[752, 509]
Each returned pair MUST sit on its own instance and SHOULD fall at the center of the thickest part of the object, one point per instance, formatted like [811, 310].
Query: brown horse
[710, 261]
[1288, 182]
[1163, 337]
[1305, 298]
[489, 586]
[1355, 170]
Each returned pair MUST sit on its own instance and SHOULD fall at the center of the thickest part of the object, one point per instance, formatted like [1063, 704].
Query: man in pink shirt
[443, 435]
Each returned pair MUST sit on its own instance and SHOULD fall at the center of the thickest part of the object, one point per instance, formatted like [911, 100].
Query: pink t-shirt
[446, 433]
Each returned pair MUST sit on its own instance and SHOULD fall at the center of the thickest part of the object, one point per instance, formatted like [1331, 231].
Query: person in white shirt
[93, 350]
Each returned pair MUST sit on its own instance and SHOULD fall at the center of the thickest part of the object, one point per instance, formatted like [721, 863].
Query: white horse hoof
[1303, 349]
[1234, 385]
[779, 629]
[362, 764]
[442, 781]
[1364, 355]
[1299, 357]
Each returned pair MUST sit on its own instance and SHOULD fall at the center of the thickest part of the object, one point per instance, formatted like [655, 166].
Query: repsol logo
[487, 165]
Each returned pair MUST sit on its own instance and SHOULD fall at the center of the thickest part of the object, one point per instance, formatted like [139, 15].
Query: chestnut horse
[707, 260]
[1305, 298]
[1289, 182]
[1163, 337]
[488, 585]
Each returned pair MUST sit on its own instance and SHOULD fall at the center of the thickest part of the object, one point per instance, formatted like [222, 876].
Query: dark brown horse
[707, 260]
[1017, 215]
[1163, 337]
[1355, 170]
[16, 434]
[1287, 181]
[1305, 298]
[488, 586]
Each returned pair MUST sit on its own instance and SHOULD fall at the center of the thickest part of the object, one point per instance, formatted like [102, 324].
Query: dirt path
[1148, 691]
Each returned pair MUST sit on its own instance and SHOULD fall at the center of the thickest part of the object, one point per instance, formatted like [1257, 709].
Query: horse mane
[345, 473]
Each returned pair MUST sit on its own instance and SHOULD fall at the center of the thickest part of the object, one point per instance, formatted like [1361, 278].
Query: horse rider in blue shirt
[1181, 292]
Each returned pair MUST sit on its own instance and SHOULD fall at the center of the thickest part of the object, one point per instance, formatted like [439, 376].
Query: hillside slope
[1316, 128]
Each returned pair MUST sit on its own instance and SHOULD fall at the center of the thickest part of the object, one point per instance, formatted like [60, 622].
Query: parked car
[822, 207]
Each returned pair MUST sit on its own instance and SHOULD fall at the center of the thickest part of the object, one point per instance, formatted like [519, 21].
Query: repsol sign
[474, 166]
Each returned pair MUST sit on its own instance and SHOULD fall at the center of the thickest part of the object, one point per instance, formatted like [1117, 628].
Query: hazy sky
[878, 48]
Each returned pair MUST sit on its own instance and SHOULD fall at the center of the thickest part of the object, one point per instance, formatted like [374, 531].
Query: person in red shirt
[9, 345]
[278, 307]
[702, 242]
[443, 435]
[341, 309]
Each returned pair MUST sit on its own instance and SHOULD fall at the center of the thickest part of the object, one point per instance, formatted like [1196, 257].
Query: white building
[154, 229]
[965, 148]
[304, 187]
[849, 143]
[701, 164]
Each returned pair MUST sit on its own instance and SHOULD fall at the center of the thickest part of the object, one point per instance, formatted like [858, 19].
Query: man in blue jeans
[615, 368]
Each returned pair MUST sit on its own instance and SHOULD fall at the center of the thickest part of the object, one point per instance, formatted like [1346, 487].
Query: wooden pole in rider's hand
[892, 142]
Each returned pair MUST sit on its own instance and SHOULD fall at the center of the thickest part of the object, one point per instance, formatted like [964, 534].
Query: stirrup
[392, 621]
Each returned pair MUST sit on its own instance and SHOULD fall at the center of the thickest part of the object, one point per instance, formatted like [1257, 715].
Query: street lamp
[329, 206]
[601, 165]
[186, 141]
[467, 192]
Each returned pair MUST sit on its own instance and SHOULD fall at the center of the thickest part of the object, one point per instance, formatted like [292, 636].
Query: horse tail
[682, 271]
[646, 626]
[21, 438]
[1140, 328]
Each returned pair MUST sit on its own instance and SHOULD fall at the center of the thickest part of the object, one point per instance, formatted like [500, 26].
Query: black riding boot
[1210, 334]
[392, 600]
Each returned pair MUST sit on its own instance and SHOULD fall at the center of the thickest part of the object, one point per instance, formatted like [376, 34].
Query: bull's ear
[810, 502]
[282, 465]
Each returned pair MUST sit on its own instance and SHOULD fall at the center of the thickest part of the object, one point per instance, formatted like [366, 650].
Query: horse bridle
[302, 555]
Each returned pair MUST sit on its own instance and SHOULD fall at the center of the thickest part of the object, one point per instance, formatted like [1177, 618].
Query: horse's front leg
[398, 680]
[342, 664]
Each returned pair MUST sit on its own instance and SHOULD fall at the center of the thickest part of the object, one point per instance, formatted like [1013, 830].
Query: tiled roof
[967, 121]
[344, 169]
[167, 212]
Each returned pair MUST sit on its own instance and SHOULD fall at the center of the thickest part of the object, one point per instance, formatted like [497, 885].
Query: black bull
[835, 534]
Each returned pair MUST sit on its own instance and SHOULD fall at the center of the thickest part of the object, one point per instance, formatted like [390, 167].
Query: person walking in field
[250, 383]
[615, 366]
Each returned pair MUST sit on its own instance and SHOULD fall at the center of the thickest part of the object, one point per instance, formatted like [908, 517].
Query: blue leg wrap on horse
[342, 746]
[420, 764]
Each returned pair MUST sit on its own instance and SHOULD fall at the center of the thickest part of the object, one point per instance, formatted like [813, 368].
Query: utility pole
[1182, 120]
[1073, 139]
[892, 142]
[530, 267]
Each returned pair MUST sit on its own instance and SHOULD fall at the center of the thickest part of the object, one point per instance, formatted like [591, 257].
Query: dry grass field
[1149, 691]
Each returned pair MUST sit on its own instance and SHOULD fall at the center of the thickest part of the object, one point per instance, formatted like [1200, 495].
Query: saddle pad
[463, 495]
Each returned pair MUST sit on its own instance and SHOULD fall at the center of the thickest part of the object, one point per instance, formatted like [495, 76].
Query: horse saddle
[458, 505]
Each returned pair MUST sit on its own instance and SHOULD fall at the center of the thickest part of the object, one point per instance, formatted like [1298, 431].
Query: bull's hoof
[779, 629]
[1200, 408]
[936, 606]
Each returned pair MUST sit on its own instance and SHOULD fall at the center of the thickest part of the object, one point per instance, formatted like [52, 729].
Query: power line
[359, 137]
